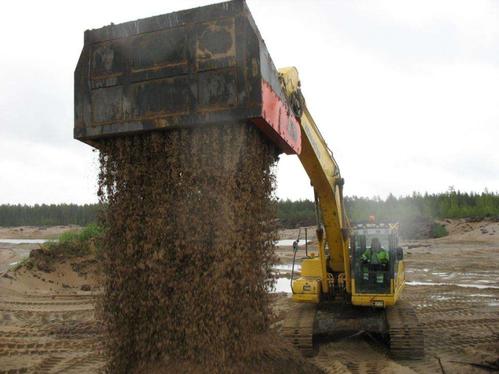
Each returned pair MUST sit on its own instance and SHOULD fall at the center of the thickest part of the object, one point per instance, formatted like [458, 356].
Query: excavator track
[298, 328]
[406, 333]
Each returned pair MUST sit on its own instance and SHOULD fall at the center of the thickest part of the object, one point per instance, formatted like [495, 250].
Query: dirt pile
[69, 246]
[188, 250]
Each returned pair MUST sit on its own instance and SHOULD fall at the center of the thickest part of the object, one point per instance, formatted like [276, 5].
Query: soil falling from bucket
[189, 245]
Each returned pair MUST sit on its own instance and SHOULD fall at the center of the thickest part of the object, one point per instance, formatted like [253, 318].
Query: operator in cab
[375, 259]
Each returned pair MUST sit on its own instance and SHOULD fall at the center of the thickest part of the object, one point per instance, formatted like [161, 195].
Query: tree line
[48, 215]
[412, 208]
[416, 207]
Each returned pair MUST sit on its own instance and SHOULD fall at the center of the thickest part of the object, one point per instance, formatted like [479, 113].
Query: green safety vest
[382, 256]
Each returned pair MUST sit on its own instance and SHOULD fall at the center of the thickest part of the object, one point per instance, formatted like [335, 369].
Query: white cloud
[405, 92]
[33, 172]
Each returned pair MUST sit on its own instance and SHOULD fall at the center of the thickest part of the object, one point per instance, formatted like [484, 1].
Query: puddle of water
[282, 285]
[482, 273]
[480, 286]
[289, 243]
[439, 297]
[23, 241]
[287, 267]
[483, 281]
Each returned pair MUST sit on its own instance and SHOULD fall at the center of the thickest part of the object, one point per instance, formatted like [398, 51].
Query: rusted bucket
[197, 67]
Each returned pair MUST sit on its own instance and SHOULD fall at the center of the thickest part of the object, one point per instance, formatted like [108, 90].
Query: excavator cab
[372, 263]
[376, 261]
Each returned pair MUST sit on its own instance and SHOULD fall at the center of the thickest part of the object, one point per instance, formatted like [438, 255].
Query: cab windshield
[373, 261]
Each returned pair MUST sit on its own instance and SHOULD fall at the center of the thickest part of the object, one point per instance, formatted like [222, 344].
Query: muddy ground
[48, 324]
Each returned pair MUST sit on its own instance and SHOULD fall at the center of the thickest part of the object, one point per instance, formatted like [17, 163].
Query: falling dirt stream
[189, 246]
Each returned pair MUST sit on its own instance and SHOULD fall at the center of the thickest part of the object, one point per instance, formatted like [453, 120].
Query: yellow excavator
[347, 288]
[209, 66]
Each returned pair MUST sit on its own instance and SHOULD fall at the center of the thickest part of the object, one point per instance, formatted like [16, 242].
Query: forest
[48, 215]
[415, 207]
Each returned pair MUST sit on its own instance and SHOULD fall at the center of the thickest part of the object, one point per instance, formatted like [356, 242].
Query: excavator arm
[324, 173]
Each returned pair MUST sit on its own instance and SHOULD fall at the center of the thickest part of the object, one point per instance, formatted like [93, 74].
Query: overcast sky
[406, 93]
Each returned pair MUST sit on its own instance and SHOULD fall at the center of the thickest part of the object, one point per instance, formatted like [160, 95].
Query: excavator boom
[324, 173]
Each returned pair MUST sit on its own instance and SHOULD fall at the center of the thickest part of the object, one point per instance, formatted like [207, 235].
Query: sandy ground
[48, 324]
[11, 253]
[453, 282]
[35, 232]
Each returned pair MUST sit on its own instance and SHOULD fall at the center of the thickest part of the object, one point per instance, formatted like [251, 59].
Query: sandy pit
[48, 324]
[17, 242]
[35, 232]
